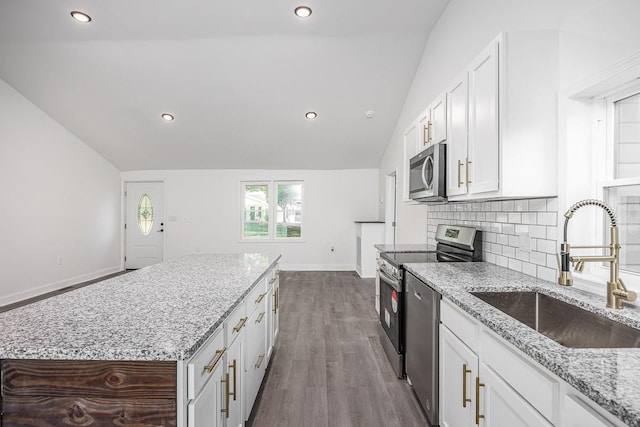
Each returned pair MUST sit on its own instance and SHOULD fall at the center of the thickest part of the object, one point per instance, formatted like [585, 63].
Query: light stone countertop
[164, 312]
[399, 248]
[609, 377]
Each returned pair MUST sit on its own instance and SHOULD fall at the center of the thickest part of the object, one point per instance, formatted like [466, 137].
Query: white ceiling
[238, 75]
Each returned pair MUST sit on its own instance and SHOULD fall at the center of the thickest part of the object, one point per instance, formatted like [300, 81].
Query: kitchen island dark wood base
[42, 393]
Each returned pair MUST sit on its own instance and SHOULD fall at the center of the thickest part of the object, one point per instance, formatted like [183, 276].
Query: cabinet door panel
[483, 151]
[459, 368]
[235, 369]
[457, 142]
[502, 406]
[206, 409]
[578, 414]
[439, 119]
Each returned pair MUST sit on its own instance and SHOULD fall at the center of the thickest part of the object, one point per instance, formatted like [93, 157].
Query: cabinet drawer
[577, 413]
[538, 388]
[76, 411]
[258, 294]
[460, 323]
[202, 364]
[236, 322]
[63, 378]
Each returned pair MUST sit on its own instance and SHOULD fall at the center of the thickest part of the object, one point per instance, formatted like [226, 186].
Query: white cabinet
[223, 378]
[459, 368]
[501, 406]
[235, 369]
[432, 123]
[485, 381]
[207, 410]
[368, 234]
[410, 144]
[502, 120]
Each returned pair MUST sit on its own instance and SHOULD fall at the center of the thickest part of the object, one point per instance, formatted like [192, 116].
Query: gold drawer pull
[216, 359]
[478, 385]
[259, 362]
[240, 324]
[467, 172]
[277, 272]
[273, 280]
[235, 379]
[260, 316]
[465, 371]
[259, 300]
[275, 301]
[227, 395]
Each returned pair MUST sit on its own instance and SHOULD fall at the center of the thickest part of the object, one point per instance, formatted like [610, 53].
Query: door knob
[161, 230]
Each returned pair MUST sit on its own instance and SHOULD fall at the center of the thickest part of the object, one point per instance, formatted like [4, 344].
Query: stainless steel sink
[564, 323]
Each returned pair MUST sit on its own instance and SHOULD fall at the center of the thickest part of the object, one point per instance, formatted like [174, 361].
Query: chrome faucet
[616, 290]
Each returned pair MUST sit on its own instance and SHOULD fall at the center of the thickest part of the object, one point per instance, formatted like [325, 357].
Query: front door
[144, 224]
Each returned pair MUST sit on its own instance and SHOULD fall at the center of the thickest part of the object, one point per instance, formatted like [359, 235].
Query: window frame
[604, 165]
[272, 237]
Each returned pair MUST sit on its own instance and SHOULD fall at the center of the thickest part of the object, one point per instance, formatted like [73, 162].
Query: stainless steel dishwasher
[422, 326]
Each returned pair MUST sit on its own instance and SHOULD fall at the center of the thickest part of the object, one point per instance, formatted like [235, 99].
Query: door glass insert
[145, 214]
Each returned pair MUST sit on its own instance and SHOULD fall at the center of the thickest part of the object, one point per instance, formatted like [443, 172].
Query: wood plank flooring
[329, 368]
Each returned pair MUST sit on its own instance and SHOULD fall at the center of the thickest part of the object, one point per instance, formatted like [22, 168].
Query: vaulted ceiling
[238, 75]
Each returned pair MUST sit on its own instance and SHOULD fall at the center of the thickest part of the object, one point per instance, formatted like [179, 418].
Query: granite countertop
[606, 376]
[404, 248]
[164, 312]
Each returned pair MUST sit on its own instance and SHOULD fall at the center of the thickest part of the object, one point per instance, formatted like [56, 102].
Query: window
[272, 210]
[621, 187]
[145, 214]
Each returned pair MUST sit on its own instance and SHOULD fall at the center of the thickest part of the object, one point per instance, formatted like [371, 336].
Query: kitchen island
[605, 376]
[123, 345]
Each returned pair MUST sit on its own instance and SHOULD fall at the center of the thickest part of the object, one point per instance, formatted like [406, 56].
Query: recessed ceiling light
[168, 117]
[302, 11]
[311, 115]
[80, 16]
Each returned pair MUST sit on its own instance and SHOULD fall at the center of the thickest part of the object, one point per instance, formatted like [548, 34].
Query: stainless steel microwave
[427, 175]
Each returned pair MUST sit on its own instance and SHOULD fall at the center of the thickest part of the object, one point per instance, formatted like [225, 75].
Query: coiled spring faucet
[616, 290]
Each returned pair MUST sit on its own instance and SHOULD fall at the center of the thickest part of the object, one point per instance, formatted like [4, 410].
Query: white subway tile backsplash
[514, 217]
[548, 274]
[502, 223]
[547, 218]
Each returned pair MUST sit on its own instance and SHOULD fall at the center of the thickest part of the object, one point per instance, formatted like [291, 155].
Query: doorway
[390, 209]
[144, 224]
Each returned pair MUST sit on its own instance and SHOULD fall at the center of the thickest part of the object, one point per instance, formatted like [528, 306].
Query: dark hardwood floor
[329, 368]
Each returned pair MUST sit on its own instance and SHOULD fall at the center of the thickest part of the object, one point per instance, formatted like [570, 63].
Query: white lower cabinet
[499, 405]
[206, 409]
[221, 381]
[235, 369]
[486, 382]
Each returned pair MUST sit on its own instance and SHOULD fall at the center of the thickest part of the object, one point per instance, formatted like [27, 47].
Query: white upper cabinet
[411, 143]
[502, 120]
[432, 123]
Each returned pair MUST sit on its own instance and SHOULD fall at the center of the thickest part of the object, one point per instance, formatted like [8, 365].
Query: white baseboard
[50, 287]
[317, 267]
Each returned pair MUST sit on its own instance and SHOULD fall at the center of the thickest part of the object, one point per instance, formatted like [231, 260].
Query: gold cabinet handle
[277, 272]
[216, 359]
[429, 124]
[273, 280]
[260, 316]
[259, 362]
[467, 172]
[478, 385]
[227, 395]
[259, 300]
[240, 324]
[425, 140]
[235, 379]
[275, 300]
[465, 371]
[459, 181]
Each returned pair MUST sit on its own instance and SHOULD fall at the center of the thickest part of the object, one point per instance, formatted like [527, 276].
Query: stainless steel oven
[427, 175]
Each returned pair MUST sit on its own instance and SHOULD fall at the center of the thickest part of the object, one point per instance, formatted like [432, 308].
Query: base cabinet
[486, 382]
[207, 410]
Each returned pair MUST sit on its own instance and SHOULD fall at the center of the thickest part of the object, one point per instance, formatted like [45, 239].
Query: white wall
[58, 198]
[206, 206]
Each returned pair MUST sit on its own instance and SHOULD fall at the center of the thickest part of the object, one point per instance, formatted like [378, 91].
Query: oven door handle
[395, 284]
